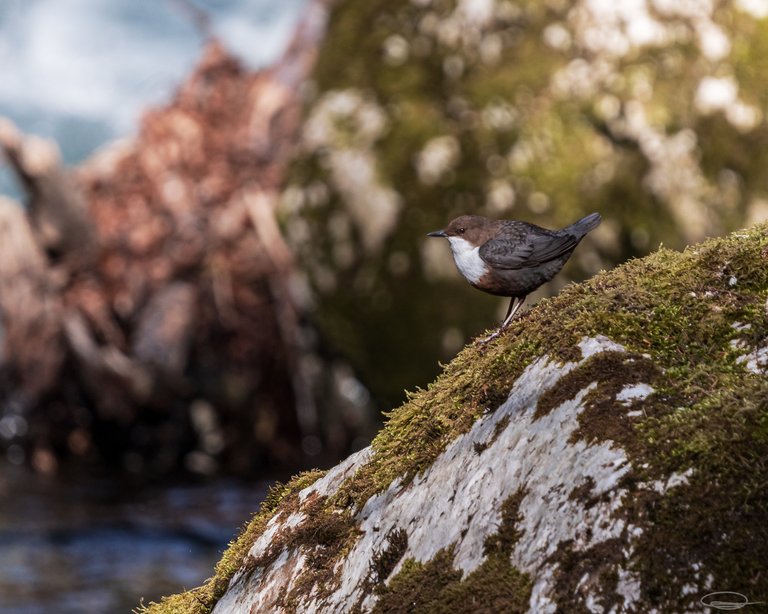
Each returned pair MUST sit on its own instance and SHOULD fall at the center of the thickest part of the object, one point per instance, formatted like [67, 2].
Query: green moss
[419, 587]
[714, 525]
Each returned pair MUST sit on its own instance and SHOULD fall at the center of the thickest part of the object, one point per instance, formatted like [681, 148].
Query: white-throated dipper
[511, 258]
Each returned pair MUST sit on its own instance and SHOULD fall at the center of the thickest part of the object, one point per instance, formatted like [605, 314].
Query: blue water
[81, 71]
[86, 547]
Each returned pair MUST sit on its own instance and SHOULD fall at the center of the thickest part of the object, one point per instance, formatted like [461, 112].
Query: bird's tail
[584, 225]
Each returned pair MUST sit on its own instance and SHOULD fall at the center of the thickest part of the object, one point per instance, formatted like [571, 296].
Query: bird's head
[472, 228]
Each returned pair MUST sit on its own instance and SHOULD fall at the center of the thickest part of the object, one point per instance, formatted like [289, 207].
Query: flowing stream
[99, 547]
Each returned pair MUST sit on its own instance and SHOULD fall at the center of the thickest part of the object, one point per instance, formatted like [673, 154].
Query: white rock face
[634, 392]
[457, 502]
[756, 362]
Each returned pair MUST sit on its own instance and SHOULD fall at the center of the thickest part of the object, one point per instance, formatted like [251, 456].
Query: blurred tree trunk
[146, 298]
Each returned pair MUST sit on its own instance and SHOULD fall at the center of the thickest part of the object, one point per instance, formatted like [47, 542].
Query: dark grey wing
[534, 248]
[506, 253]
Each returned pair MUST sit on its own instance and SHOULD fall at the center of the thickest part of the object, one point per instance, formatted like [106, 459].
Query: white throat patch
[467, 259]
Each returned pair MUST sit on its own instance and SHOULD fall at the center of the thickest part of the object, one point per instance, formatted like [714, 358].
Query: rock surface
[606, 454]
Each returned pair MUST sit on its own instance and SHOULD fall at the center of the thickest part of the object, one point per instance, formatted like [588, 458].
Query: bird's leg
[514, 307]
[512, 303]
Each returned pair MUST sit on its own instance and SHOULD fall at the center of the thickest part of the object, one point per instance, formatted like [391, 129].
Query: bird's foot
[492, 336]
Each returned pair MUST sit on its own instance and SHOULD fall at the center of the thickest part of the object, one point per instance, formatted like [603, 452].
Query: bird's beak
[437, 233]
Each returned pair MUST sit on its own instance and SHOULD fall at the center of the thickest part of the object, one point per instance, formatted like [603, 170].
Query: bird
[509, 257]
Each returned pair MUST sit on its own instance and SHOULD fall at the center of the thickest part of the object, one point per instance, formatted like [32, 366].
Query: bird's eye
[461, 231]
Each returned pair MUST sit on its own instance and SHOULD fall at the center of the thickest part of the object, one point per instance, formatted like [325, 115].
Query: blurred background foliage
[652, 113]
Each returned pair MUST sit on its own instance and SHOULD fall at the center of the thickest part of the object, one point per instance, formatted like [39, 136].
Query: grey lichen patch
[686, 536]
[436, 586]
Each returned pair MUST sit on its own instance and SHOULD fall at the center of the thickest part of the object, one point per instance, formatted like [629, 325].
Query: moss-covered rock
[650, 112]
[606, 452]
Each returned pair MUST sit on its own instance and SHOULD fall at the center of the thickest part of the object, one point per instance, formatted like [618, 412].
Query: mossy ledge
[607, 451]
